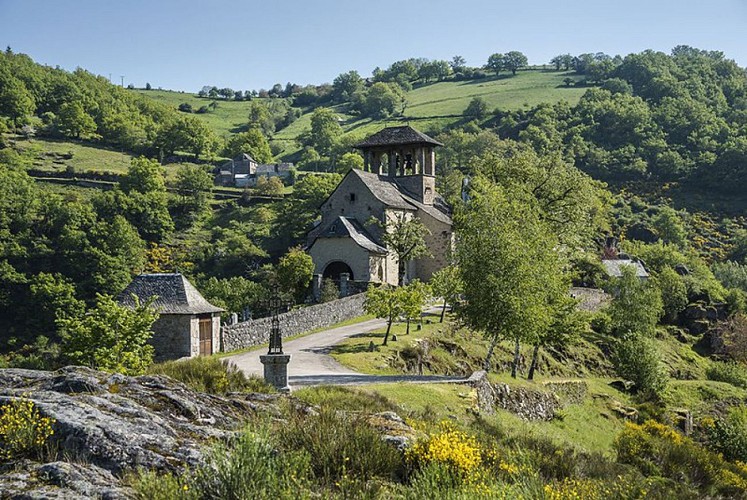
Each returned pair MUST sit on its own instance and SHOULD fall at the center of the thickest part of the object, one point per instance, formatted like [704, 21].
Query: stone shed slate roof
[613, 267]
[344, 227]
[397, 136]
[175, 294]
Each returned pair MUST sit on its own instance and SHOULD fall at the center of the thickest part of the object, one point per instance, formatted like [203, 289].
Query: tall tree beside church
[511, 272]
[406, 238]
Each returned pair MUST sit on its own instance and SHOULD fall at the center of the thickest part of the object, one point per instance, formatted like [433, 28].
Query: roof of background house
[175, 294]
[397, 136]
[342, 227]
[613, 267]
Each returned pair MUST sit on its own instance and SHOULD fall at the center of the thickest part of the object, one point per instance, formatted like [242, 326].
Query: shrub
[148, 485]
[449, 447]
[210, 374]
[343, 398]
[732, 373]
[731, 274]
[728, 435]
[637, 359]
[342, 446]
[329, 291]
[252, 467]
[23, 431]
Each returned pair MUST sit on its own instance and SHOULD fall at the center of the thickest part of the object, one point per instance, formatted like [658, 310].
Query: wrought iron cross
[274, 304]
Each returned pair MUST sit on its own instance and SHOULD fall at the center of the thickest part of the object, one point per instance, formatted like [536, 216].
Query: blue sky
[247, 44]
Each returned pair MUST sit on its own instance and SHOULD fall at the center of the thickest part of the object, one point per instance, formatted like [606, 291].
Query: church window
[352, 197]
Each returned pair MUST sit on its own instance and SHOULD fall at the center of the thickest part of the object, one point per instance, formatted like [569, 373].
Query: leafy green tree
[414, 296]
[144, 176]
[510, 272]
[384, 302]
[233, 294]
[383, 100]
[669, 227]
[295, 271]
[194, 186]
[636, 358]
[15, 100]
[673, 292]
[496, 62]
[73, 121]
[636, 307]
[731, 274]
[405, 237]
[447, 284]
[260, 117]
[346, 84]
[110, 337]
[348, 162]
[477, 108]
[458, 64]
[253, 141]
[325, 130]
[567, 326]
[270, 186]
[514, 61]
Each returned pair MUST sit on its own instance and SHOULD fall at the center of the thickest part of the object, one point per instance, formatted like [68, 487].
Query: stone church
[398, 181]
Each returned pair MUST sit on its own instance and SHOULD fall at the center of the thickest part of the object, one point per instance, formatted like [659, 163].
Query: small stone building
[399, 181]
[188, 324]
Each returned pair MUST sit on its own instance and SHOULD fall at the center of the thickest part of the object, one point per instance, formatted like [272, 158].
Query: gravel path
[311, 363]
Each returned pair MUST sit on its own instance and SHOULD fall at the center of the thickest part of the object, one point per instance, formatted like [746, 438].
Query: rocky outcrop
[112, 424]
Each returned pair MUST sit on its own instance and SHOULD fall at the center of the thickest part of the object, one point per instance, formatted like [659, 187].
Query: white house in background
[243, 171]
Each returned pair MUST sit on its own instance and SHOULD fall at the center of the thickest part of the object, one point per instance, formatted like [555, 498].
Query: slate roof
[175, 294]
[344, 227]
[397, 136]
[383, 189]
[613, 267]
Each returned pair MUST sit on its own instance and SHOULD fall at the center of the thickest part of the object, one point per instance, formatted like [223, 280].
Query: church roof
[175, 294]
[397, 136]
[383, 189]
[343, 227]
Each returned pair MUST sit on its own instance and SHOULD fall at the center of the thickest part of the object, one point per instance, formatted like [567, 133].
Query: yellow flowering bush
[23, 431]
[595, 489]
[448, 446]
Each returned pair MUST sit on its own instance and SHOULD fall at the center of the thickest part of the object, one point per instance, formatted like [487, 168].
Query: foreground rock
[109, 424]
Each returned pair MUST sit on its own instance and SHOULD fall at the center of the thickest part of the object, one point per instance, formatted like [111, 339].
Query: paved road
[311, 363]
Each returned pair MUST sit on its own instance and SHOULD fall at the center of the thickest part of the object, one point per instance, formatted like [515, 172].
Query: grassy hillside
[432, 107]
[228, 118]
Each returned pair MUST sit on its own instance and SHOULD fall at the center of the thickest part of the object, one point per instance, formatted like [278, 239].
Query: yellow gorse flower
[22, 429]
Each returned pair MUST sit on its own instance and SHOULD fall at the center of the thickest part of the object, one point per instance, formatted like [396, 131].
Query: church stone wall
[439, 243]
[362, 208]
[256, 332]
[327, 250]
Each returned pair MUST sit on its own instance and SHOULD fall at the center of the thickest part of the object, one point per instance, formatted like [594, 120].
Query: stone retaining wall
[256, 332]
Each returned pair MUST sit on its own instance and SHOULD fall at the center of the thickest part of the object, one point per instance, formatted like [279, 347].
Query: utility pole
[122, 77]
[110, 78]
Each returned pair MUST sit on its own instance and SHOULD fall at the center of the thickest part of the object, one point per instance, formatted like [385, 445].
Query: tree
[270, 186]
[143, 176]
[514, 61]
[295, 271]
[346, 84]
[325, 130]
[447, 284]
[636, 358]
[669, 227]
[235, 294]
[252, 142]
[73, 121]
[673, 292]
[329, 291]
[405, 237]
[348, 162]
[414, 296]
[260, 117]
[637, 305]
[15, 100]
[383, 100]
[567, 325]
[458, 63]
[511, 273]
[477, 108]
[496, 62]
[384, 302]
[110, 337]
[194, 185]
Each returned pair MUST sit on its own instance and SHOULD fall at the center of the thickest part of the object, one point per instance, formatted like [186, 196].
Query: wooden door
[206, 336]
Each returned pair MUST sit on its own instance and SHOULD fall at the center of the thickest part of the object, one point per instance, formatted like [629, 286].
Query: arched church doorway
[335, 269]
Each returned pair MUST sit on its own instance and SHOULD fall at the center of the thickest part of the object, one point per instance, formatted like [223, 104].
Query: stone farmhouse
[188, 324]
[398, 181]
[243, 171]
